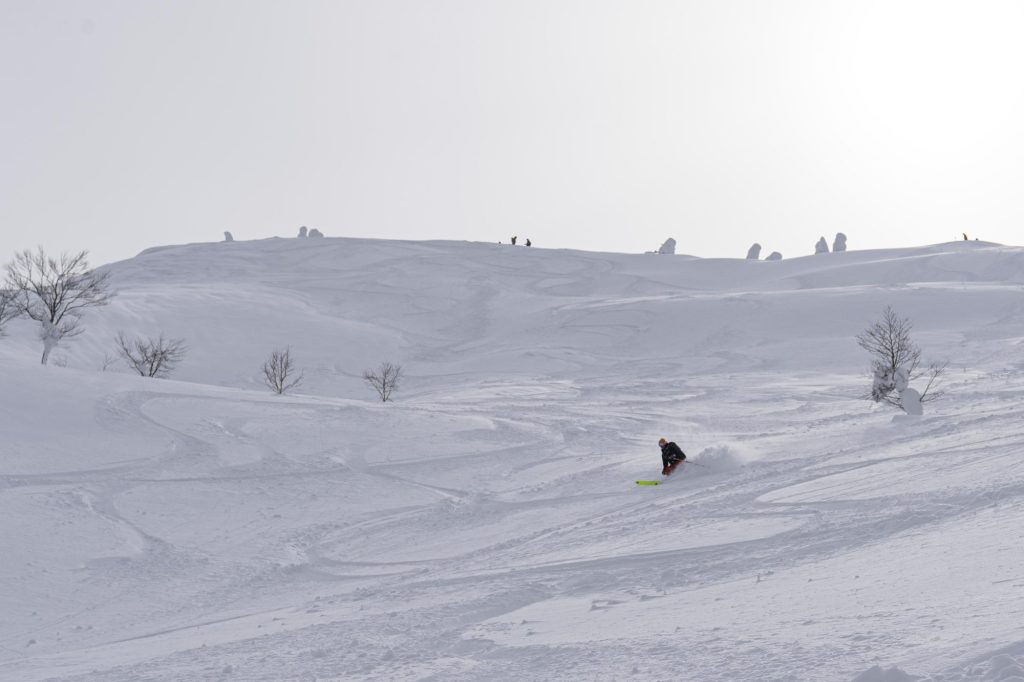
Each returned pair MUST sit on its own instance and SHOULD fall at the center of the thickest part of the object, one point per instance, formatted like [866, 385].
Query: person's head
[662, 442]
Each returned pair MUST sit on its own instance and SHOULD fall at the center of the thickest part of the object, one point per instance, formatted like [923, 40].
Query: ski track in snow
[486, 525]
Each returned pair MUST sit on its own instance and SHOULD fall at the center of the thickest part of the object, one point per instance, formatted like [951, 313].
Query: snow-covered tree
[774, 255]
[821, 246]
[228, 237]
[315, 233]
[754, 252]
[55, 292]
[151, 357]
[669, 247]
[384, 379]
[840, 243]
[303, 232]
[895, 362]
[279, 372]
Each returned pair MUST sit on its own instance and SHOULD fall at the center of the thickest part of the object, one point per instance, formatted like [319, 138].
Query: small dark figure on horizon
[528, 243]
[514, 238]
[965, 236]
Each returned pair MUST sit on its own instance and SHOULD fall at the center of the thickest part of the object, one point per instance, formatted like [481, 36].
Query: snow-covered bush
[384, 379]
[821, 246]
[228, 237]
[774, 255]
[303, 231]
[895, 362]
[315, 233]
[840, 243]
[754, 252]
[669, 247]
[55, 291]
[279, 372]
[151, 357]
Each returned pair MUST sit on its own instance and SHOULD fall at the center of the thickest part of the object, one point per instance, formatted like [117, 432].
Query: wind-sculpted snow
[486, 524]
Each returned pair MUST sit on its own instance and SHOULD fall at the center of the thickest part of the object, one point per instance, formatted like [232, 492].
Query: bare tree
[278, 371]
[151, 357]
[384, 379]
[108, 362]
[55, 292]
[896, 360]
[8, 307]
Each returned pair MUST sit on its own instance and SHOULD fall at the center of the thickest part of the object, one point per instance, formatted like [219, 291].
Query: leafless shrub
[108, 362]
[278, 371]
[896, 360]
[151, 357]
[384, 379]
[55, 292]
[8, 307]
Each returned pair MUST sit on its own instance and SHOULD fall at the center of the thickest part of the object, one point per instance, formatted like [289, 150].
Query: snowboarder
[528, 242]
[671, 456]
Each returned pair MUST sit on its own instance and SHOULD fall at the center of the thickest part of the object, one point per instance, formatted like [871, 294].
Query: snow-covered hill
[486, 525]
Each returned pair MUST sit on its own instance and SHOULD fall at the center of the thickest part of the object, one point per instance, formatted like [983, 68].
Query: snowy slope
[486, 525]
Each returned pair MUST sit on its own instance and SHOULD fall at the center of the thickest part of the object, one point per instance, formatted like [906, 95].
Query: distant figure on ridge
[528, 242]
[671, 456]
[514, 238]
[965, 236]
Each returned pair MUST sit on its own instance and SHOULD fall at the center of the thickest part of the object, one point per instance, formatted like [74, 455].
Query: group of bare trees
[56, 291]
[281, 375]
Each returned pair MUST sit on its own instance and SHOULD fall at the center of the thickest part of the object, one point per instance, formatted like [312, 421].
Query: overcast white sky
[597, 125]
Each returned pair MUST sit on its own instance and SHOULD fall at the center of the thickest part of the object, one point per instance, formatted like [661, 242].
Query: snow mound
[877, 674]
[1002, 667]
